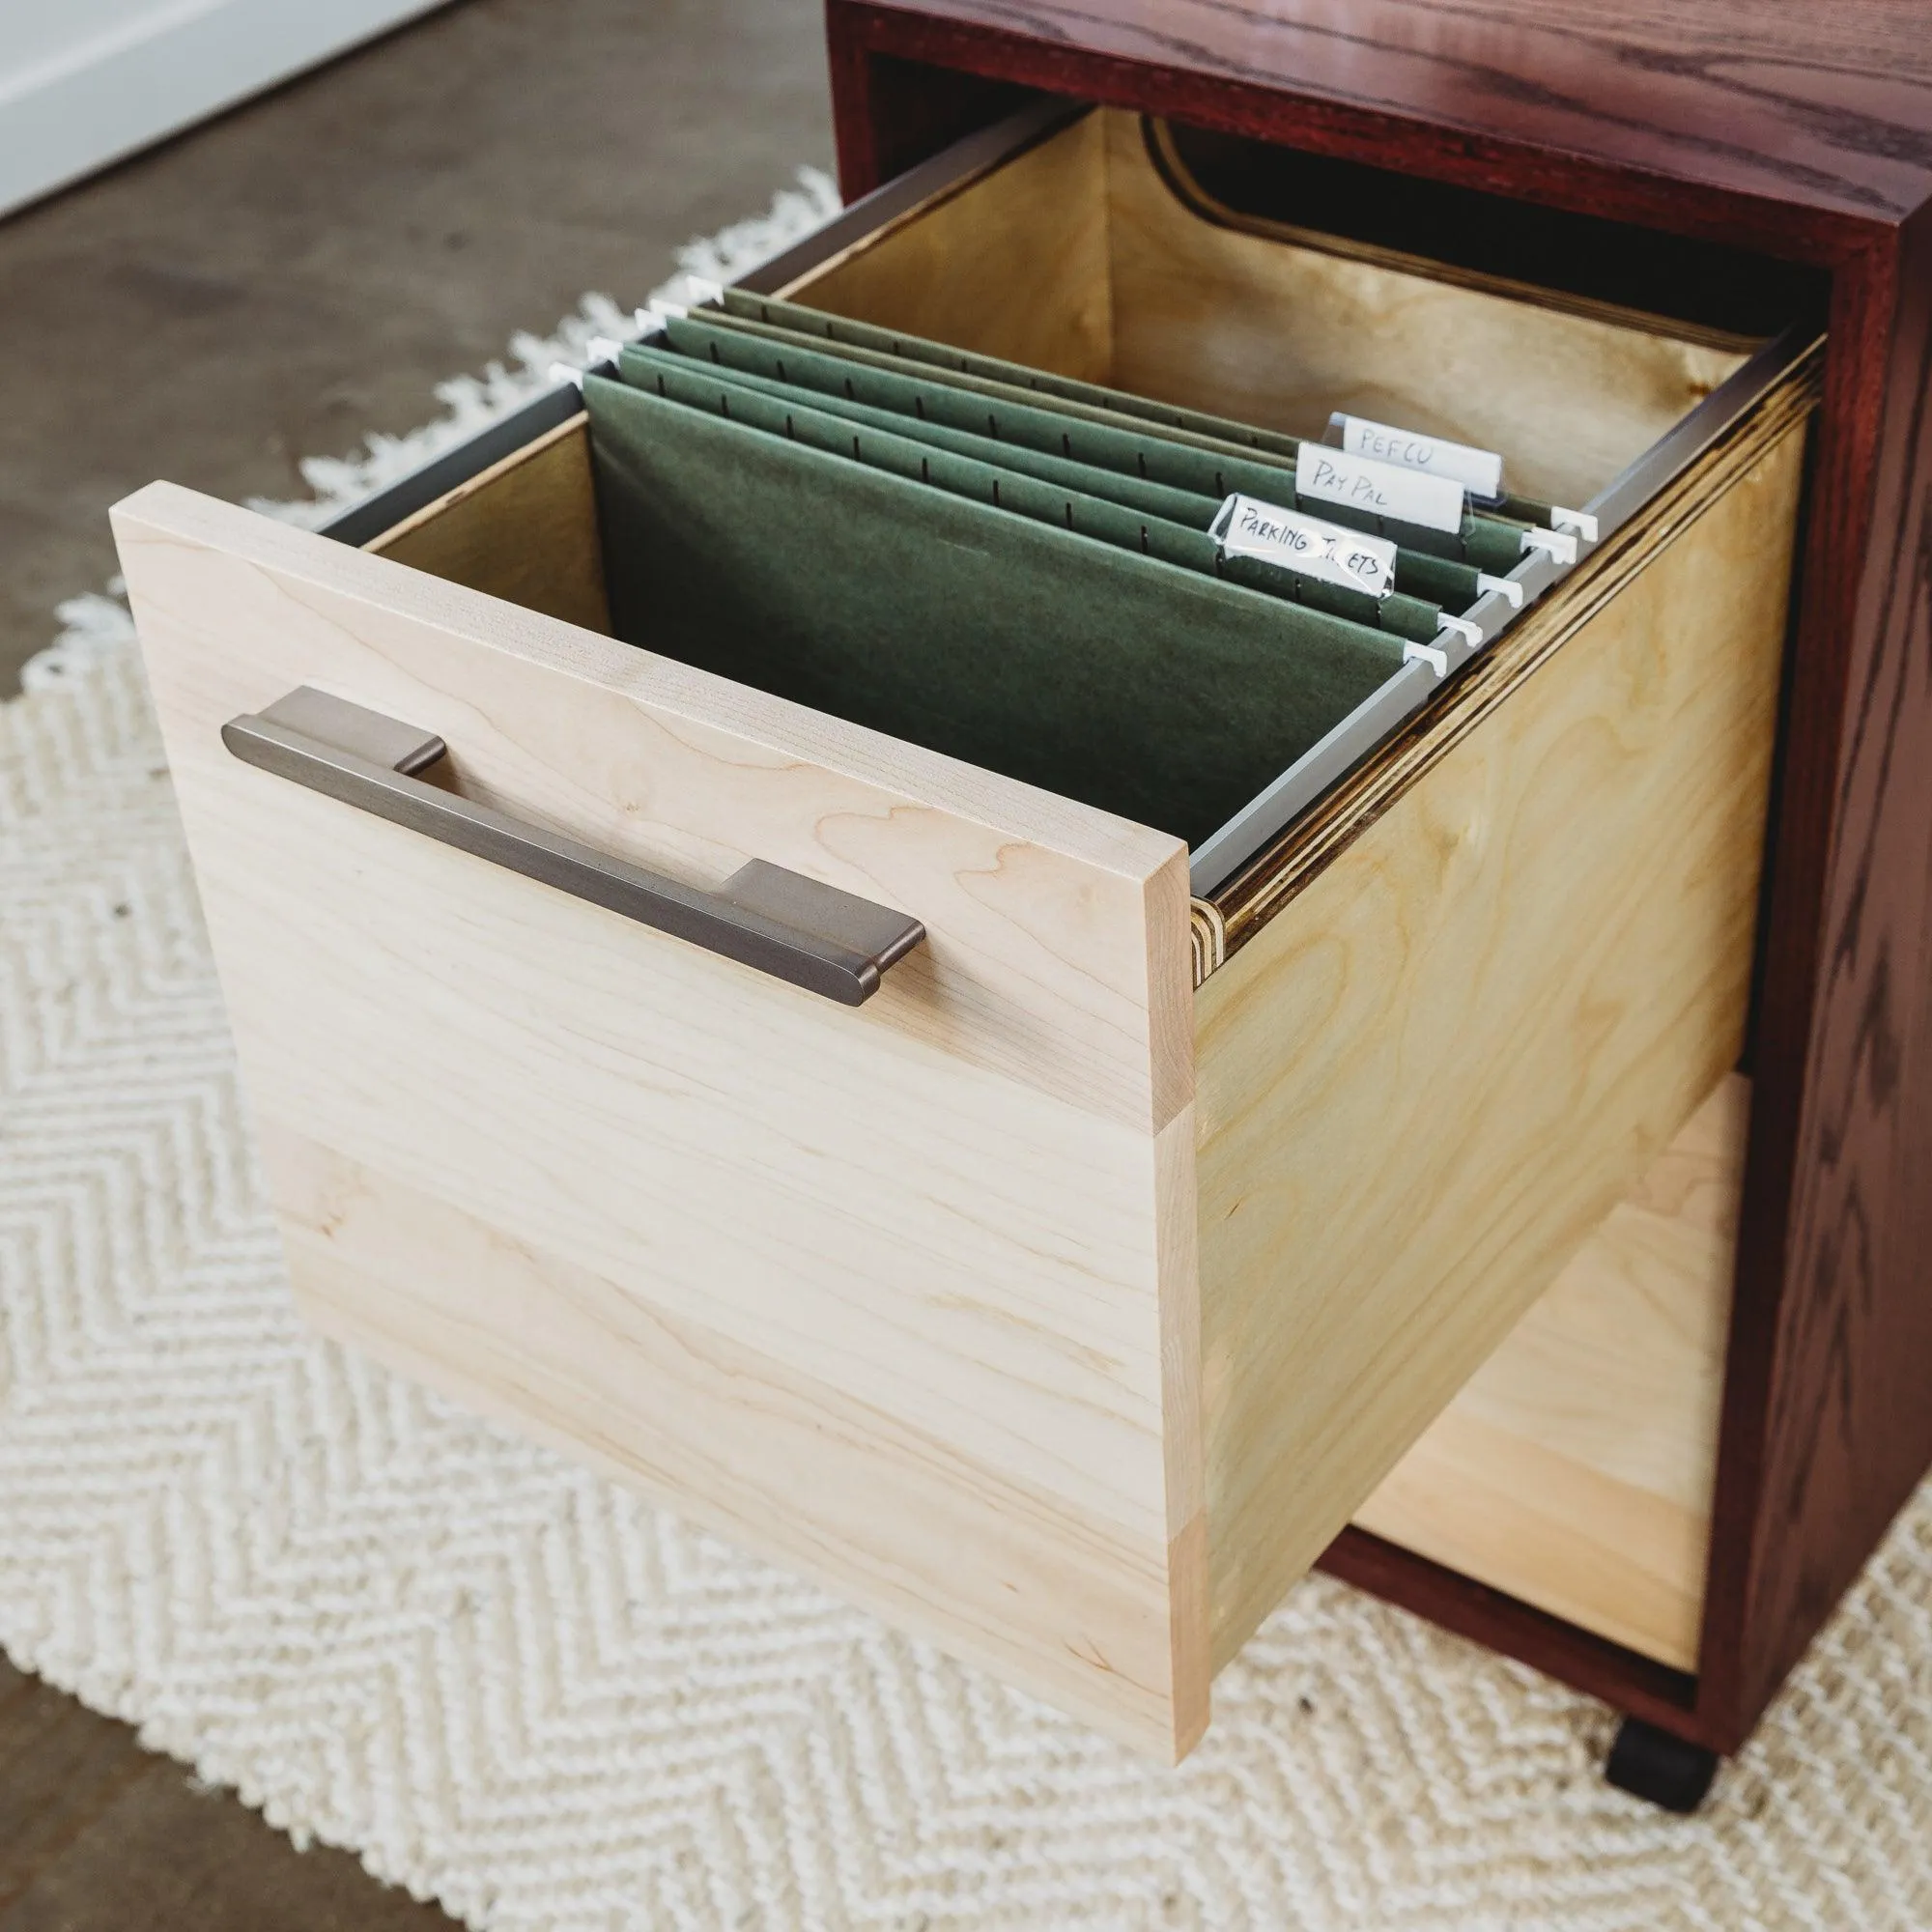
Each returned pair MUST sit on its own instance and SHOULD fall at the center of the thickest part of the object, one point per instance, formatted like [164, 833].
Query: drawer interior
[1134, 276]
[1195, 707]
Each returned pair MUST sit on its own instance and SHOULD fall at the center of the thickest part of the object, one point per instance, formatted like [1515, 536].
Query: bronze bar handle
[810, 935]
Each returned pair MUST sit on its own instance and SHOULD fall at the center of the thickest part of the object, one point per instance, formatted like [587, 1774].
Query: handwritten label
[1245, 526]
[1480, 472]
[1334, 476]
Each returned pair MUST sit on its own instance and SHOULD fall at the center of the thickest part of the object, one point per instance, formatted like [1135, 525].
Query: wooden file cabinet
[1066, 1301]
[1799, 134]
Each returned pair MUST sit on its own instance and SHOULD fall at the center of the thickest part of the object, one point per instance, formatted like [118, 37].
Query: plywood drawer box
[1063, 1299]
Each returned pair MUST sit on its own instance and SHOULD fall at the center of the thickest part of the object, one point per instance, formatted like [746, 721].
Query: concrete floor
[99, 1835]
[271, 285]
[267, 288]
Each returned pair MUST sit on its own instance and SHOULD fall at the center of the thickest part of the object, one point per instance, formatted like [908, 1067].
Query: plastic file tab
[1305, 545]
[1480, 472]
[1369, 488]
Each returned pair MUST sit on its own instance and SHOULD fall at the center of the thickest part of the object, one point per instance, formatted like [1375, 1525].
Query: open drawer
[1065, 1297]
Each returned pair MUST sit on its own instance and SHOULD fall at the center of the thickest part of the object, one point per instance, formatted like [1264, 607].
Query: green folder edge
[1171, 698]
[1113, 507]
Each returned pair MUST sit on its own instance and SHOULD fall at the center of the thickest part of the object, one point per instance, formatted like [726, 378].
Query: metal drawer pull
[782, 923]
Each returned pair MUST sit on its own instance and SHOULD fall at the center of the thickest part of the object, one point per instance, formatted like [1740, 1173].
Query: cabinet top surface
[1825, 107]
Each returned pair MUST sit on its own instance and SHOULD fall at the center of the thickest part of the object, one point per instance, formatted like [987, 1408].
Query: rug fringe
[96, 624]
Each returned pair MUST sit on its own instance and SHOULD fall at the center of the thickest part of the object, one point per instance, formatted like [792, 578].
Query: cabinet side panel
[1574, 1469]
[1828, 1425]
[1441, 1064]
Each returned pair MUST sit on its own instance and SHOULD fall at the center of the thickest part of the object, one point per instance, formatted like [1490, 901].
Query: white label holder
[1247, 527]
[1480, 472]
[1331, 475]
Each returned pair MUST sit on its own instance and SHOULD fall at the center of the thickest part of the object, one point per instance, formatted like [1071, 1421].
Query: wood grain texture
[1198, 318]
[1819, 112]
[1806, 133]
[949, 271]
[935, 1248]
[1442, 1063]
[525, 529]
[1575, 1469]
[1247, 901]
[1827, 1426]
[1039, 968]
[875, 1505]
[1130, 286]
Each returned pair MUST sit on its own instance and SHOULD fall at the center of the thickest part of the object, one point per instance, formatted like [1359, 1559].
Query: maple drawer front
[902, 1289]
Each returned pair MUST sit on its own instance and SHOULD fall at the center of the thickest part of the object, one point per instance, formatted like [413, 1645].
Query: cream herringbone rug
[515, 1688]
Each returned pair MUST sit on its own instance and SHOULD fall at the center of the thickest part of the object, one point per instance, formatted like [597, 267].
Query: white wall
[83, 82]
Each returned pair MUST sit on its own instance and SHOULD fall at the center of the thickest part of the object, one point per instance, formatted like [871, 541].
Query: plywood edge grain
[1269, 884]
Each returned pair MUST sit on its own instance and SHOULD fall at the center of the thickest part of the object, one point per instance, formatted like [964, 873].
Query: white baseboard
[158, 67]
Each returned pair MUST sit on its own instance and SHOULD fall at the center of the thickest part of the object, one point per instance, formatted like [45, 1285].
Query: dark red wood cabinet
[1750, 151]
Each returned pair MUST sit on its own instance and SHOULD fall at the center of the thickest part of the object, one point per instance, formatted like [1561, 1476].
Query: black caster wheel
[1649, 1763]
